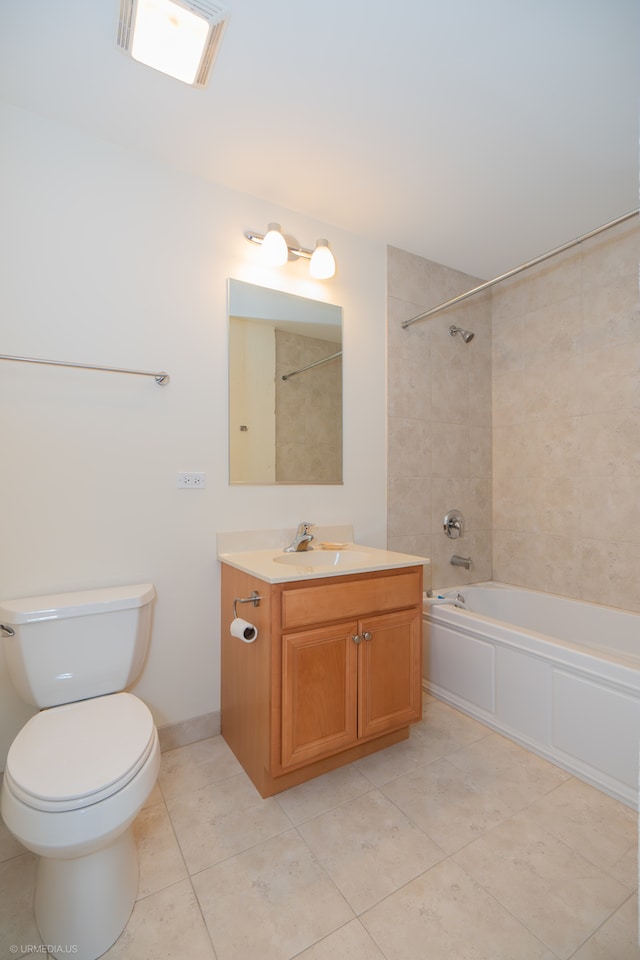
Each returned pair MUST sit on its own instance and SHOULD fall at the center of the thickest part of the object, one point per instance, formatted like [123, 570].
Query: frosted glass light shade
[274, 251]
[322, 264]
[169, 38]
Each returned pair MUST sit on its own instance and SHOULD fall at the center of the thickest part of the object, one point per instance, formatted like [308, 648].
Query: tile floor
[454, 845]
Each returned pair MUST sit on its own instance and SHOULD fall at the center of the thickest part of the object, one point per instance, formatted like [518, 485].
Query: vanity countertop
[276, 566]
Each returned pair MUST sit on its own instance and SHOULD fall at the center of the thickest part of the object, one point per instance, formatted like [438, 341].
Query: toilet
[80, 770]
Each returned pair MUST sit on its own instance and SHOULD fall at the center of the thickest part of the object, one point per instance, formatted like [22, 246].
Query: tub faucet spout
[457, 561]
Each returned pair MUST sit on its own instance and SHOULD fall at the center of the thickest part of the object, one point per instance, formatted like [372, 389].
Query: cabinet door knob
[356, 638]
[367, 636]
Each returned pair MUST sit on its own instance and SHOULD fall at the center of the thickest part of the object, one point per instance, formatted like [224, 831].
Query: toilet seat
[77, 754]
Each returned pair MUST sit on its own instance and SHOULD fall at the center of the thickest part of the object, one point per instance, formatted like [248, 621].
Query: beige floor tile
[369, 848]
[351, 942]
[447, 803]
[159, 858]
[498, 764]
[222, 819]
[597, 826]
[444, 915]
[9, 846]
[164, 926]
[564, 866]
[617, 939]
[316, 796]
[399, 759]
[550, 887]
[196, 765]
[626, 869]
[447, 730]
[154, 797]
[270, 902]
[442, 730]
[17, 923]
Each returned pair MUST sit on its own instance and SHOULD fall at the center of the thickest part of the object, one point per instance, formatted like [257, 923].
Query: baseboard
[174, 735]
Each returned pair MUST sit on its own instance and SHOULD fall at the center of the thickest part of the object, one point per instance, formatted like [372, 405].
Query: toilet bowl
[77, 776]
[79, 772]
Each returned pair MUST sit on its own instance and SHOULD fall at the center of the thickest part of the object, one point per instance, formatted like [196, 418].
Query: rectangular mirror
[285, 387]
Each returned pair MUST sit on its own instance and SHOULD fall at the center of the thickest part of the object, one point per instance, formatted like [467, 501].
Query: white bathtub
[559, 676]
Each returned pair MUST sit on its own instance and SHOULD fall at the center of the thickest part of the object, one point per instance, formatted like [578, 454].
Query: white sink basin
[323, 558]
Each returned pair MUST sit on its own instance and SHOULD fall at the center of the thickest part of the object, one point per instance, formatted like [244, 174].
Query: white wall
[109, 258]
[252, 400]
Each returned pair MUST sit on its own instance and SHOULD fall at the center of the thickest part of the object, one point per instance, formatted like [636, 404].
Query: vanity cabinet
[334, 674]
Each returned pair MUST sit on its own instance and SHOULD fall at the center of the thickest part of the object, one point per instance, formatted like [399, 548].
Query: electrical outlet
[191, 481]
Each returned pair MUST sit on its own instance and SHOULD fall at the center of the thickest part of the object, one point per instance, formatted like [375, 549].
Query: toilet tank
[72, 646]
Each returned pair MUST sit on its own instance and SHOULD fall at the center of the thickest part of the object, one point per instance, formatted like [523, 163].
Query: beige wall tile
[611, 377]
[409, 510]
[611, 508]
[449, 444]
[546, 400]
[409, 448]
[610, 572]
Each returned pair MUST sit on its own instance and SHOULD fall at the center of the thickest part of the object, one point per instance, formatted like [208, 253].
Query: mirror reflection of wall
[285, 387]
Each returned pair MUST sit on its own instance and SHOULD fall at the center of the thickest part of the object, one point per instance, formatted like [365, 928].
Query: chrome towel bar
[160, 378]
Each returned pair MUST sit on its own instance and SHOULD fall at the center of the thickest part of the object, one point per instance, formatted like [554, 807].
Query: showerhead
[466, 335]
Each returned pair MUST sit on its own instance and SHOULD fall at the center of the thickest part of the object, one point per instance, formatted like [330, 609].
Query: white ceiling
[477, 134]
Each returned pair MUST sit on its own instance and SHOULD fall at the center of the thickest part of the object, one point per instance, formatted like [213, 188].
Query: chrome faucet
[301, 540]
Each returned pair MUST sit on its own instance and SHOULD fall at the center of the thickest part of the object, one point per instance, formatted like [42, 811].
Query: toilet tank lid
[80, 603]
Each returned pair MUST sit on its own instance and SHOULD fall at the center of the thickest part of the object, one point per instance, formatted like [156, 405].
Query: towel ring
[255, 599]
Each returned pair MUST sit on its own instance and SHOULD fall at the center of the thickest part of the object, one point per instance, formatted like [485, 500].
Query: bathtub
[561, 677]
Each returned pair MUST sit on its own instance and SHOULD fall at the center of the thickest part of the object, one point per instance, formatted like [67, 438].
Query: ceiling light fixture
[177, 37]
[275, 250]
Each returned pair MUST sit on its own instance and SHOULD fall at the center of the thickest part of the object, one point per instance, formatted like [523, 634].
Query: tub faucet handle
[453, 524]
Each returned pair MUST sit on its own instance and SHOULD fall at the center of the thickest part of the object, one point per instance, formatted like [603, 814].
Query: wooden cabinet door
[319, 692]
[390, 686]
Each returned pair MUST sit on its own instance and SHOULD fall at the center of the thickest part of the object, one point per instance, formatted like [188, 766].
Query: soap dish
[333, 546]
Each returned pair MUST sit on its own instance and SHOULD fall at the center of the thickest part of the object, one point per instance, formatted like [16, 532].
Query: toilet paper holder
[255, 599]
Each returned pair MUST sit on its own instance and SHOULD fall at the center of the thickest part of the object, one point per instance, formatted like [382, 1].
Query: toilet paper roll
[244, 630]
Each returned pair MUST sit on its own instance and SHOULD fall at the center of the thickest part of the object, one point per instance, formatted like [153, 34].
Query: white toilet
[79, 771]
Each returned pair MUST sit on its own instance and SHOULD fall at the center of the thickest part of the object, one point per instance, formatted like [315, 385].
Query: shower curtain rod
[285, 376]
[160, 378]
[512, 273]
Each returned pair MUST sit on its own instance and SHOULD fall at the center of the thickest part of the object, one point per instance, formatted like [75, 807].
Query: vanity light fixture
[177, 37]
[275, 250]
[322, 265]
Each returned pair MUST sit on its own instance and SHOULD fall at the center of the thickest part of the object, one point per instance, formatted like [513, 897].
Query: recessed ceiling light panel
[177, 37]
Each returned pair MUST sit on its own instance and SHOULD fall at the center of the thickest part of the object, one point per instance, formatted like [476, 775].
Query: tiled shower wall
[558, 347]
[566, 423]
[308, 411]
[439, 428]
